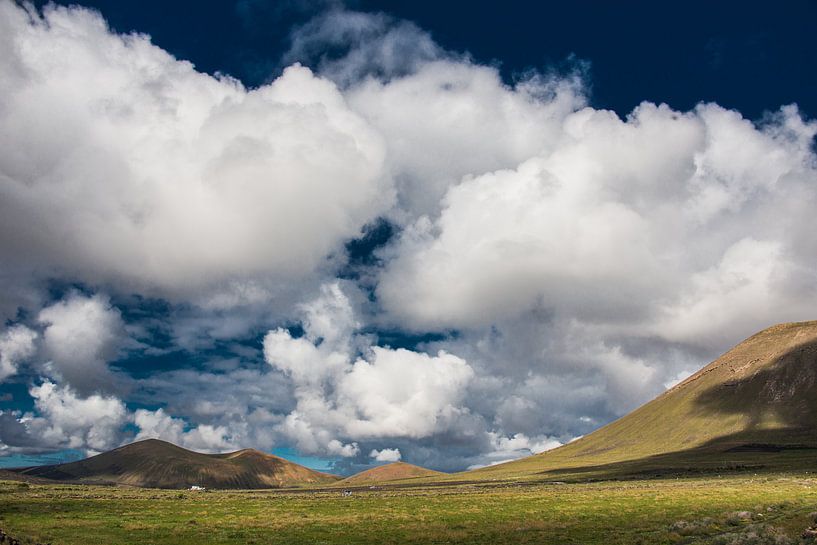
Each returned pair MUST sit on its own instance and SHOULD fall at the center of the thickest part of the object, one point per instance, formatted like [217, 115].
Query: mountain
[12, 475]
[158, 464]
[390, 472]
[754, 407]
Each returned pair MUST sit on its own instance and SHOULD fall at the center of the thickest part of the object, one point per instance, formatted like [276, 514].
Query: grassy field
[744, 509]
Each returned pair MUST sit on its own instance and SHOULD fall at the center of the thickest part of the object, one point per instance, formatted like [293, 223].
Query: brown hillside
[158, 464]
[756, 404]
[390, 472]
[14, 475]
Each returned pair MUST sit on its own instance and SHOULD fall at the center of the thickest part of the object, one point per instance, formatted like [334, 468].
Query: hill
[14, 475]
[158, 464]
[754, 407]
[395, 471]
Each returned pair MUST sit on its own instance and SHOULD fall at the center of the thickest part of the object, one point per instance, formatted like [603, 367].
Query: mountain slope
[14, 475]
[756, 404]
[158, 464]
[390, 472]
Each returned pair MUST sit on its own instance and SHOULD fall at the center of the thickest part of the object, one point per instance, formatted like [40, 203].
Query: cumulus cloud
[64, 420]
[349, 46]
[386, 455]
[630, 223]
[121, 164]
[573, 262]
[455, 119]
[82, 333]
[404, 393]
[16, 345]
[336, 448]
[511, 448]
[439, 112]
[160, 425]
[622, 254]
[540, 377]
[382, 393]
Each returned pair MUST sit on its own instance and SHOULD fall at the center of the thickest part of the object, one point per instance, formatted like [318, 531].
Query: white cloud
[122, 164]
[401, 393]
[521, 442]
[626, 223]
[384, 393]
[323, 352]
[583, 261]
[65, 420]
[202, 438]
[506, 449]
[538, 376]
[617, 255]
[456, 119]
[16, 345]
[745, 283]
[386, 455]
[81, 335]
[335, 447]
[330, 318]
[158, 425]
[439, 112]
[362, 45]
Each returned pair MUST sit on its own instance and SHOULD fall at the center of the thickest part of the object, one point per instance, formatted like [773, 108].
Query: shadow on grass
[785, 390]
[729, 454]
[783, 393]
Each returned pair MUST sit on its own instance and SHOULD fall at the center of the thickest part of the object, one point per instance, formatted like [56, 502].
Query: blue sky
[348, 233]
[742, 55]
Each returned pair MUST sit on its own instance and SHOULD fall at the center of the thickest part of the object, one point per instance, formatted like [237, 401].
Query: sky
[355, 233]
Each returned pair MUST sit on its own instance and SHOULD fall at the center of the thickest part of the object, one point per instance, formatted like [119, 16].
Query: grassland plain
[736, 509]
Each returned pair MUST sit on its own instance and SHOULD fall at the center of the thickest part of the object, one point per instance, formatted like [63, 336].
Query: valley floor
[740, 509]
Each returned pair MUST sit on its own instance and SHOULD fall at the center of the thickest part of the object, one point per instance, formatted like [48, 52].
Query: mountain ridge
[153, 463]
[752, 408]
[759, 396]
[394, 471]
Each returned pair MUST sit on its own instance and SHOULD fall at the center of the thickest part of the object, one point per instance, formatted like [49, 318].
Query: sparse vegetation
[736, 510]
[690, 467]
[159, 464]
[396, 471]
[753, 409]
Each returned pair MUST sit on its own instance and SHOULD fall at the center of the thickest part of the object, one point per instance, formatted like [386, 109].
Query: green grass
[761, 392]
[692, 510]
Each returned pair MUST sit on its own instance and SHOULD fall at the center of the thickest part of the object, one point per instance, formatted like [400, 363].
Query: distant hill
[158, 464]
[754, 407]
[13, 475]
[390, 472]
